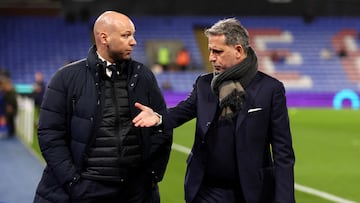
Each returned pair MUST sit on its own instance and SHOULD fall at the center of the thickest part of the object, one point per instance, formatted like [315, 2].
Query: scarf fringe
[232, 103]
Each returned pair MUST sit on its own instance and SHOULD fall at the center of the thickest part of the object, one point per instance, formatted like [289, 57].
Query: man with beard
[93, 151]
[242, 150]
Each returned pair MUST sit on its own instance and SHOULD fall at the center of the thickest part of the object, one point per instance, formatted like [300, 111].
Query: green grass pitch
[327, 149]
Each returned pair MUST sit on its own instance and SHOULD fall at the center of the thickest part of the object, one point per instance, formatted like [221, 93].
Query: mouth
[217, 69]
[128, 52]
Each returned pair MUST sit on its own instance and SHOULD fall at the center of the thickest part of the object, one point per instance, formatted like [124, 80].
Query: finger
[140, 106]
[137, 118]
[137, 123]
[142, 123]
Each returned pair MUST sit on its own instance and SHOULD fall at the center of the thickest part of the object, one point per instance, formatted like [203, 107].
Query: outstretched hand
[146, 118]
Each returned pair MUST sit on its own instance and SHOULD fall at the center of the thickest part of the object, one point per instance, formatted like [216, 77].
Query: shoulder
[138, 65]
[73, 67]
[69, 72]
[205, 77]
[268, 78]
[268, 82]
[139, 68]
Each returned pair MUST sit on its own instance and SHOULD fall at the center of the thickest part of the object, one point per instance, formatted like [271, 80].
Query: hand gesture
[146, 118]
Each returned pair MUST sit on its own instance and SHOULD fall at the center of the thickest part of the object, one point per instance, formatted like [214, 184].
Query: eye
[125, 36]
[217, 52]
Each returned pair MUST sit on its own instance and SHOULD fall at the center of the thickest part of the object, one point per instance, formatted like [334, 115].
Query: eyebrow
[215, 49]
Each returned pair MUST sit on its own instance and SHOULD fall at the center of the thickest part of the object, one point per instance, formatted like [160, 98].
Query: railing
[25, 119]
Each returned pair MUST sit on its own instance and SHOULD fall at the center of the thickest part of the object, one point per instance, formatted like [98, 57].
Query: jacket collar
[97, 66]
[93, 62]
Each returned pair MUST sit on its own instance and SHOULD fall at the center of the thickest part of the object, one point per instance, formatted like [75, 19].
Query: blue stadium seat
[30, 44]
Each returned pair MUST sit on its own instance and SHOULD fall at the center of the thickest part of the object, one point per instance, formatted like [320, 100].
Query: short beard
[118, 58]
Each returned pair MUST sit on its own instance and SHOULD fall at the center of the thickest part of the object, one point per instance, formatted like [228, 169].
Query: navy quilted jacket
[71, 112]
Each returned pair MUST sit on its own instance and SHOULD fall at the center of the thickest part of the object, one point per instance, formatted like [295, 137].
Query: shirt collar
[101, 58]
[107, 70]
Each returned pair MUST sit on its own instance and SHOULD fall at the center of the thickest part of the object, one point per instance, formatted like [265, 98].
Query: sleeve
[52, 130]
[283, 154]
[184, 111]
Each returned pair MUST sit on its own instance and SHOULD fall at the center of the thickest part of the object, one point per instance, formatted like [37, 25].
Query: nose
[133, 41]
[212, 57]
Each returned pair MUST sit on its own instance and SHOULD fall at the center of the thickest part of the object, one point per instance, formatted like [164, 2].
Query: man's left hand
[146, 118]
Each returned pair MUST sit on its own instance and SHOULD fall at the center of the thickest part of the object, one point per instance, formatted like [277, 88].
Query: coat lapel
[250, 94]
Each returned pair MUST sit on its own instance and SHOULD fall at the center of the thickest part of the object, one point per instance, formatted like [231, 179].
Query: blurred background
[310, 45]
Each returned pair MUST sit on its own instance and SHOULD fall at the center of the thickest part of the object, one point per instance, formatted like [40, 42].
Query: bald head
[107, 21]
[114, 35]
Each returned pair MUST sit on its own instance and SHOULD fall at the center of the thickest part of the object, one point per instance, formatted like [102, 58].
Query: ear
[239, 51]
[103, 38]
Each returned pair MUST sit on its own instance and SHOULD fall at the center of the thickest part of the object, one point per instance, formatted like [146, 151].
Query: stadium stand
[301, 49]
[45, 44]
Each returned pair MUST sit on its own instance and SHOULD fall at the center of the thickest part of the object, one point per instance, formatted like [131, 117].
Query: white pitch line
[181, 148]
[298, 187]
[321, 194]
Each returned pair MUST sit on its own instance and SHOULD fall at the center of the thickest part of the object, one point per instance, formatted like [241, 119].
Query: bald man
[93, 151]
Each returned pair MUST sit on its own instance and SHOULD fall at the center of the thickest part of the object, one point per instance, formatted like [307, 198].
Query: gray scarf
[229, 85]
